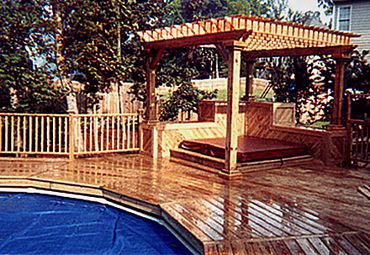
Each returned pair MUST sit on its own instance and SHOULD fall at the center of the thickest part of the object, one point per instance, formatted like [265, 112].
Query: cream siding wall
[360, 21]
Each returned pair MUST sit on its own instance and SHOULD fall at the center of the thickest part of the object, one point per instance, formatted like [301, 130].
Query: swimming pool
[44, 224]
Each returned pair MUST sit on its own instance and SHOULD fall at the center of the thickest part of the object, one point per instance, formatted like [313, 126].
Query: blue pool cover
[42, 224]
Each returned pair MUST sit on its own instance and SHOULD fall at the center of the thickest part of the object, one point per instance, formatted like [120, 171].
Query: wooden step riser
[206, 163]
[196, 158]
[263, 165]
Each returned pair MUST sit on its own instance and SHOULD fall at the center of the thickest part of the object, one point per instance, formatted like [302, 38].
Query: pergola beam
[199, 39]
[296, 52]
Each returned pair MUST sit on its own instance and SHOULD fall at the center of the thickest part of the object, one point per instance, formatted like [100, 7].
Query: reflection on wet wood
[309, 209]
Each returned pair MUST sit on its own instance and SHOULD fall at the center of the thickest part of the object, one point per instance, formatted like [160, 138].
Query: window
[344, 18]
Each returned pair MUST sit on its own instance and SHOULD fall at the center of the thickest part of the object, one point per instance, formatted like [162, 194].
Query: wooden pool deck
[309, 209]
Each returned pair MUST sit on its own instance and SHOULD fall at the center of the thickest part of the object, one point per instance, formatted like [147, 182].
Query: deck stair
[253, 153]
[197, 160]
[213, 164]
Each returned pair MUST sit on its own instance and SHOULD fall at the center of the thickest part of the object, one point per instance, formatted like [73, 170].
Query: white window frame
[350, 16]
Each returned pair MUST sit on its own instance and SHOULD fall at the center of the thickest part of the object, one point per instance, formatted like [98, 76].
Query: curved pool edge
[104, 196]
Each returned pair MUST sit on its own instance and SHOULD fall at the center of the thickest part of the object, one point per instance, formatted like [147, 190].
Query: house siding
[360, 21]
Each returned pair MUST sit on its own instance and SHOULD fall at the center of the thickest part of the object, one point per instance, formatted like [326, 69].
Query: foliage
[357, 73]
[25, 83]
[304, 81]
[309, 82]
[356, 81]
[315, 101]
[97, 40]
[327, 5]
[288, 77]
[45, 45]
[185, 99]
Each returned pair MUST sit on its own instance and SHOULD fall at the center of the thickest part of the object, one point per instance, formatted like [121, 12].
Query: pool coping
[100, 194]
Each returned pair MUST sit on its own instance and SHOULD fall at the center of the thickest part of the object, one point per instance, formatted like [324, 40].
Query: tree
[47, 44]
[95, 40]
[186, 99]
[25, 80]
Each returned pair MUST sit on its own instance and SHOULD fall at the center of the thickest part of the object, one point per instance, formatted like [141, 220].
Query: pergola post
[151, 109]
[150, 129]
[233, 84]
[155, 56]
[249, 80]
[338, 93]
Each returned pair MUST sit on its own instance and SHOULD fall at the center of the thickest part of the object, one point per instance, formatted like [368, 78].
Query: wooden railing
[69, 135]
[358, 141]
[358, 128]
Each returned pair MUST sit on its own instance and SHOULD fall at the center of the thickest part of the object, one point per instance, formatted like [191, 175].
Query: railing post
[1, 133]
[71, 135]
[349, 144]
[348, 150]
[140, 113]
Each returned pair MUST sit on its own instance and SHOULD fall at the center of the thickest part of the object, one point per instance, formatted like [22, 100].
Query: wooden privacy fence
[70, 135]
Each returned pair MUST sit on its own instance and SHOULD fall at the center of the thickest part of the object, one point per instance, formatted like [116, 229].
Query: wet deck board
[309, 209]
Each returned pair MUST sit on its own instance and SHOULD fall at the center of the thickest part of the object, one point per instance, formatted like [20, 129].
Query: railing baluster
[84, 135]
[1, 134]
[90, 132]
[12, 133]
[71, 135]
[76, 133]
[133, 132]
[102, 133]
[128, 132]
[60, 127]
[36, 133]
[18, 134]
[54, 136]
[107, 136]
[367, 138]
[65, 134]
[6, 133]
[30, 132]
[24, 142]
[362, 137]
[42, 133]
[356, 143]
[140, 129]
[113, 127]
[47, 134]
[96, 134]
[123, 119]
[350, 136]
[118, 132]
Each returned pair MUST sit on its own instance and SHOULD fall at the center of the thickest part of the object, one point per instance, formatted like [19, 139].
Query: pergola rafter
[259, 34]
[248, 37]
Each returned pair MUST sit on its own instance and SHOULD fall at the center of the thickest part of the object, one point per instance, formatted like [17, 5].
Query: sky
[307, 5]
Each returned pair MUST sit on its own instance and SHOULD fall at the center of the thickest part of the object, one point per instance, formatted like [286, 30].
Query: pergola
[245, 38]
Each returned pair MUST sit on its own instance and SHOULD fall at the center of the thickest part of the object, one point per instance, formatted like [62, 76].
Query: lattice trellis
[253, 32]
